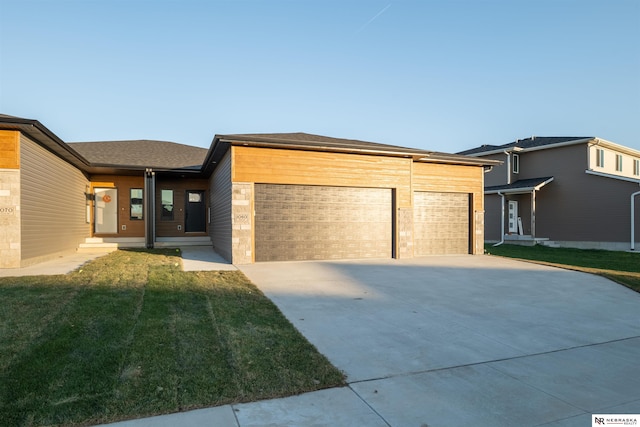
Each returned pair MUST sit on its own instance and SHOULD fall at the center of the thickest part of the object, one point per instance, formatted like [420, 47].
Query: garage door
[441, 223]
[301, 222]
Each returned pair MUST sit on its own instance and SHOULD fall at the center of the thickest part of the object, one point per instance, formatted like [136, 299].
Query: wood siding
[220, 201]
[53, 204]
[176, 226]
[450, 179]
[124, 184]
[277, 166]
[9, 149]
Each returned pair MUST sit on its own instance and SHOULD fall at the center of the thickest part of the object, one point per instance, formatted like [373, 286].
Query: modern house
[257, 197]
[562, 191]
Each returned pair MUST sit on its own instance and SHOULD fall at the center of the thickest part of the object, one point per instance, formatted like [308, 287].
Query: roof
[305, 141]
[142, 154]
[520, 186]
[133, 155]
[527, 143]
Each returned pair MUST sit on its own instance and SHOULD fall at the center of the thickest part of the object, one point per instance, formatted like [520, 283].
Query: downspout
[149, 208]
[501, 221]
[508, 167]
[633, 236]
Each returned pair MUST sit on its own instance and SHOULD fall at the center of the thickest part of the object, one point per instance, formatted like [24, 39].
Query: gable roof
[141, 154]
[527, 143]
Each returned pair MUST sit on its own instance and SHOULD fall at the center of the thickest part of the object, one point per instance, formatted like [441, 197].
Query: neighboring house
[562, 191]
[257, 197]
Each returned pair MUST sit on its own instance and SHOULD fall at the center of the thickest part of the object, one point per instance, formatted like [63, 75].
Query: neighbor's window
[599, 158]
[618, 162]
[516, 163]
[636, 167]
[167, 204]
[136, 203]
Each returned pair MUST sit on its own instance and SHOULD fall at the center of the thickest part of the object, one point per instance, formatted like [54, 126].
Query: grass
[132, 335]
[621, 267]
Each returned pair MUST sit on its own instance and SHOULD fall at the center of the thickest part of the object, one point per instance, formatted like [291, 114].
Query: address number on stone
[242, 217]
[7, 211]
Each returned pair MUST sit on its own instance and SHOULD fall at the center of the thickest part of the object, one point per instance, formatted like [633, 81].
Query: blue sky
[439, 75]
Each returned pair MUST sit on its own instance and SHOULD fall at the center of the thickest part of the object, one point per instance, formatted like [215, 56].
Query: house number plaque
[241, 218]
[7, 210]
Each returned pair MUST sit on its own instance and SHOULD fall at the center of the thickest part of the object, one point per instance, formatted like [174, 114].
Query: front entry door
[513, 216]
[106, 211]
[195, 219]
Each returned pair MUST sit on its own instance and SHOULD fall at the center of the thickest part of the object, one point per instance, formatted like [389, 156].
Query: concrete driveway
[461, 340]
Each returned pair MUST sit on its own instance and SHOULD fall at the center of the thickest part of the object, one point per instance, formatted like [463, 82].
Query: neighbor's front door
[195, 219]
[513, 216]
[106, 210]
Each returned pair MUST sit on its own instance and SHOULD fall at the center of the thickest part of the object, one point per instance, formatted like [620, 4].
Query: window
[599, 158]
[166, 197]
[136, 203]
[636, 167]
[618, 163]
[516, 163]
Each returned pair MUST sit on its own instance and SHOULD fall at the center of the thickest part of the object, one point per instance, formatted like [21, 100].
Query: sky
[443, 75]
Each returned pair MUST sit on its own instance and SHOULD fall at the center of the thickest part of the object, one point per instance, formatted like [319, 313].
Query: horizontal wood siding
[450, 179]
[124, 184]
[53, 203]
[220, 202]
[277, 166]
[9, 149]
[169, 228]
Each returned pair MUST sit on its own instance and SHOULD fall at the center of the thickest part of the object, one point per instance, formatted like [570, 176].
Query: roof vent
[533, 137]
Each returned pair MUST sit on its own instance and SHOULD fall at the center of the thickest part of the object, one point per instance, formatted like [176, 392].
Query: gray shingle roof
[311, 140]
[142, 153]
[520, 185]
[305, 141]
[534, 141]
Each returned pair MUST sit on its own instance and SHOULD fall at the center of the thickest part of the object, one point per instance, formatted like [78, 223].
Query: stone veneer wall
[10, 252]
[479, 231]
[405, 233]
[242, 222]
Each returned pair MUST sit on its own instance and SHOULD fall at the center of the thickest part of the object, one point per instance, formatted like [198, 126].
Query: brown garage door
[302, 222]
[440, 223]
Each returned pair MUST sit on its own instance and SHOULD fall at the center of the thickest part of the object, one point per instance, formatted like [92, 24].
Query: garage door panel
[441, 223]
[296, 222]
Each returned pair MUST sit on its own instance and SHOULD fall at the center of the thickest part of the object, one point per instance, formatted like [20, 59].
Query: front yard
[621, 267]
[132, 335]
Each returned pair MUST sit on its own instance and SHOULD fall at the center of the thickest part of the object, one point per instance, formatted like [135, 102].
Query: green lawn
[131, 335]
[621, 267]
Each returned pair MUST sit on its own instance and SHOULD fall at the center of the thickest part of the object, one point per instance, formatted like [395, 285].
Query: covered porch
[518, 210]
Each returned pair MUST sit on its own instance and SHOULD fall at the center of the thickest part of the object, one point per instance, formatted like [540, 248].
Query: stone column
[242, 223]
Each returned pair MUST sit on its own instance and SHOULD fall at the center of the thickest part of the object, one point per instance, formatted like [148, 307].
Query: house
[256, 197]
[563, 191]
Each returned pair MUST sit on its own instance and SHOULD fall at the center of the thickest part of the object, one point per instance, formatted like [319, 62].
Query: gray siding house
[562, 191]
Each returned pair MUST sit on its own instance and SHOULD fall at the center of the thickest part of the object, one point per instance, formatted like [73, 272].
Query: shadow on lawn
[132, 335]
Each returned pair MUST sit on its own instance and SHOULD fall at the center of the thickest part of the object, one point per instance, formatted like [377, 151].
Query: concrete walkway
[442, 341]
[194, 258]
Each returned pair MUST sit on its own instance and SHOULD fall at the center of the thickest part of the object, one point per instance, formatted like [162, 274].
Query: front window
[599, 158]
[516, 163]
[636, 167]
[136, 203]
[166, 197]
[618, 163]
